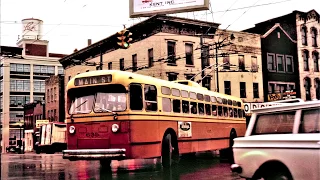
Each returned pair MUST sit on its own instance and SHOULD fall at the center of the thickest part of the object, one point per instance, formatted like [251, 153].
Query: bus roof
[126, 78]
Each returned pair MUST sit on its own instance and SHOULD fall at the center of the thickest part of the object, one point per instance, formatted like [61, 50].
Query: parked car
[281, 142]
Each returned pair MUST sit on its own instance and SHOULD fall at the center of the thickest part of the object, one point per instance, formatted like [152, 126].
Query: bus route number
[93, 80]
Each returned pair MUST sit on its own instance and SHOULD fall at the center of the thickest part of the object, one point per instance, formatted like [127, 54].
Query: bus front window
[82, 105]
[110, 102]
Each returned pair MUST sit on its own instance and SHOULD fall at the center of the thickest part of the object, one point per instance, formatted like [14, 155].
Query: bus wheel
[170, 152]
[105, 163]
[233, 135]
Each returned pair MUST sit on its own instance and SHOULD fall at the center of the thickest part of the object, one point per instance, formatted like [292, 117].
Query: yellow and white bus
[116, 115]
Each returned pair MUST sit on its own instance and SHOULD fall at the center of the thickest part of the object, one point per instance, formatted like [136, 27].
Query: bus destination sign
[93, 80]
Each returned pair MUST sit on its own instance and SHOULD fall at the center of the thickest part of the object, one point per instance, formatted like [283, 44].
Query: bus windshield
[98, 99]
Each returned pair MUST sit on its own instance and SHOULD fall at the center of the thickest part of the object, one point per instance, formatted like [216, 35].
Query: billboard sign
[144, 8]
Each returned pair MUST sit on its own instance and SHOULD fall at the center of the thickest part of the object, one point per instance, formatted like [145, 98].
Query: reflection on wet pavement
[45, 166]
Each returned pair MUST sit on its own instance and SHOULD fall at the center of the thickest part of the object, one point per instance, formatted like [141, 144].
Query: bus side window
[220, 111]
[150, 97]
[235, 113]
[193, 107]
[185, 107]
[231, 112]
[201, 108]
[214, 110]
[135, 97]
[176, 106]
[240, 113]
[225, 110]
[166, 105]
[208, 109]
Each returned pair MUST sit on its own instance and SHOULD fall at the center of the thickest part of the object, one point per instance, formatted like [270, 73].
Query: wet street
[48, 166]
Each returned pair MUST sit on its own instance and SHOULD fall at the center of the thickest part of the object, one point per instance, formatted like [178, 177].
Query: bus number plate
[92, 135]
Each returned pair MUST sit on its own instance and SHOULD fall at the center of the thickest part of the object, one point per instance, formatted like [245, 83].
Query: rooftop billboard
[145, 8]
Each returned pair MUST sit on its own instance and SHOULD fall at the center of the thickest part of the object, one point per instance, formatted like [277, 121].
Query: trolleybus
[117, 115]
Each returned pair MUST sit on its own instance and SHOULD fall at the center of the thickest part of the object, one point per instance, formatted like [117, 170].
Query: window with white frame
[314, 34]
[16, 101]
[39, 86]
[20, 85]
[304, 35]
[60, 70]
[289, 64]
[20, 68]
[280, 63]
[271, 62]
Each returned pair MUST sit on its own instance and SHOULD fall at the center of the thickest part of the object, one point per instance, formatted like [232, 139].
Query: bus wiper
[78, 106]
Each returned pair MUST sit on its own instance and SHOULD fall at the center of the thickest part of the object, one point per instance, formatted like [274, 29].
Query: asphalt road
[45, 166]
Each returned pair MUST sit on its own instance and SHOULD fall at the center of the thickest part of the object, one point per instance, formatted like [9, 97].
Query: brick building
[32, 113]
[169, 48]
[55, 98]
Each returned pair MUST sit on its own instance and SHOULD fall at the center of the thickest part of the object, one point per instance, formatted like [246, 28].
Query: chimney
[75, 50]
[89, 42]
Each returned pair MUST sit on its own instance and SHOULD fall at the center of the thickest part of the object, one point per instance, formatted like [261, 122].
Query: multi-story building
[170, 48]
[55, 98]
[33, 114]
[291, 54]
[22, 76]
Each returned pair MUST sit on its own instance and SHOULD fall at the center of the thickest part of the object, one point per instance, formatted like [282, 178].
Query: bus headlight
[72, 129]
[115, 128]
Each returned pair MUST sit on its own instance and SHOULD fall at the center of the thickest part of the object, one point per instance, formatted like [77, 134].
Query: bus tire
[170, 151]
[233, 135]
[105, 163]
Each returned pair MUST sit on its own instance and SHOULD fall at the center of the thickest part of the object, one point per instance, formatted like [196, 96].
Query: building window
[289, 63]
[20, 68]
[227, 87]
[226, 63]
[254, 64]
[280, 63]
[109, 65]
[271, 62]
[304, 36]
[243, 90]
[121, 63]
[271, 88]
[48, 95]
[39, 86]
[241, 63]
[19, 85]
[317, 85]
[189, 76]
[206, 59]
[305, 55]
[55, 93]
[60, 70]
[172, 76]
[255, 90]
[206, 82]
[171, 46]
[19, 101]
[315, 57]
[150, 57]
[314, 35]
[134, 63]
[307, 86]
[189, 54]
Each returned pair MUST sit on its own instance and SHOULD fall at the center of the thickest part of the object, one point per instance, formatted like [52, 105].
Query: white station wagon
[281, 142]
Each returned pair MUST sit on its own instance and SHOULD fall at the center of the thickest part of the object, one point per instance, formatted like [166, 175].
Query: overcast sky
[67, 24]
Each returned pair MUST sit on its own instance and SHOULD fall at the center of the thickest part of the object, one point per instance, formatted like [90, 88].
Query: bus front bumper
[94, 154]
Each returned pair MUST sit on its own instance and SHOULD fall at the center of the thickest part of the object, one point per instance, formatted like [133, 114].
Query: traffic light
[124, 39]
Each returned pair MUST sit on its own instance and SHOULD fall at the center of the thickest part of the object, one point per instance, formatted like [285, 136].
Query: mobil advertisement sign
[250, 106]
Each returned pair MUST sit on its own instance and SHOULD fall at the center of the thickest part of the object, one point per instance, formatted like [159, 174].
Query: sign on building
[143, 8]
[250, 106]
[41, 122]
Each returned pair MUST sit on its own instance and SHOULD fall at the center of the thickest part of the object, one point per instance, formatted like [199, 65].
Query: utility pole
[101, 59]
[202, 56]
[216, 69]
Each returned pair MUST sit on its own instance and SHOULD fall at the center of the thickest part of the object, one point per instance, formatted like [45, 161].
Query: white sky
[69, 23]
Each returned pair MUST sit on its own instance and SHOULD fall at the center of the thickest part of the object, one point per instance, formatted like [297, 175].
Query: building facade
[33, 113]
[23, 78]
[171, 50]
[297, 35]
[55, 98]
